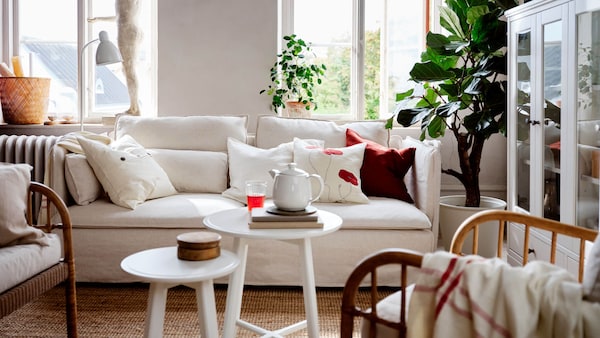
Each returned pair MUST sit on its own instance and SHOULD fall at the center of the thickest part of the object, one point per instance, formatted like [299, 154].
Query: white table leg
[207, 310]
[155, 311]
[308, 288]
[235, 288]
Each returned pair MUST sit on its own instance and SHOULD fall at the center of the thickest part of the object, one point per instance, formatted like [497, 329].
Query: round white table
[164, 270]
[234, 223]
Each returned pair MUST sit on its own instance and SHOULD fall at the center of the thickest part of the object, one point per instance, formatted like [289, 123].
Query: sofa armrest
[423, 180]
[56, 173]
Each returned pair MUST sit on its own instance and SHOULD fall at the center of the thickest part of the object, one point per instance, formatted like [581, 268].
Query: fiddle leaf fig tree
[461, 84]
[294, 76]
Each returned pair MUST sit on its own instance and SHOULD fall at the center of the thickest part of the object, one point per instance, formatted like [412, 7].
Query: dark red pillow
[383, 169]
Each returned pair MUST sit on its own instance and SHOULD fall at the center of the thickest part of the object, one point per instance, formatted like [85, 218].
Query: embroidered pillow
[383, 169]
[338, 167]
[126, 171]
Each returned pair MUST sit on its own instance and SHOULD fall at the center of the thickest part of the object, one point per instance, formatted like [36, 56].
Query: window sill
[56, 130]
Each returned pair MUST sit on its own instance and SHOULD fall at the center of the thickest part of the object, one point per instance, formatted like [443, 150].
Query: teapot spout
[274, 172]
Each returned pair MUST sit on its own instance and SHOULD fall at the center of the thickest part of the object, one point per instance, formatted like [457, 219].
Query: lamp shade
[107, 52]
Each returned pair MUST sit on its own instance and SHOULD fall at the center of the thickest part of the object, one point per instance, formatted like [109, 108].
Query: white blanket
[475, 297]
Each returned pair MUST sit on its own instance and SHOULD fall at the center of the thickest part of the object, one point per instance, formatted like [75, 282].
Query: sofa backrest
[271, 131]
[208, 133]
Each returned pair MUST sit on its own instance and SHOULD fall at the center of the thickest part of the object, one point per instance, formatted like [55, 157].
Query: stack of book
[260, 218]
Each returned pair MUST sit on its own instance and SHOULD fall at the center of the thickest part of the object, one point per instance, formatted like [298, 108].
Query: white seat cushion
[20, 262]
[379, 213]
[184, 210]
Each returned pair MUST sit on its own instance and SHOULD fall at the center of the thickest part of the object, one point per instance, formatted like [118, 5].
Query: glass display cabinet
[553, 119]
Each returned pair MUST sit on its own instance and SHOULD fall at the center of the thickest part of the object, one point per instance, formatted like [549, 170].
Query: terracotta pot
[296, 109]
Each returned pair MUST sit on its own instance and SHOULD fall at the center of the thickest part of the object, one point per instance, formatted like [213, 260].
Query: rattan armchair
[368, 267]
[63, 271]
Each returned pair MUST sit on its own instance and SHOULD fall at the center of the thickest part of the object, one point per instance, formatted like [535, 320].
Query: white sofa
[193, 151]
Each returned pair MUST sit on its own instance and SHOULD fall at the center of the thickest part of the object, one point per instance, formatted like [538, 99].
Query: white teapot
[292, 189]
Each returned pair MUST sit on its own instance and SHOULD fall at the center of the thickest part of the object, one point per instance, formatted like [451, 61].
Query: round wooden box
[198, 246]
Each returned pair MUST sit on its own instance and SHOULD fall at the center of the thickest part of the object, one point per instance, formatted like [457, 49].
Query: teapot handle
[321, 186]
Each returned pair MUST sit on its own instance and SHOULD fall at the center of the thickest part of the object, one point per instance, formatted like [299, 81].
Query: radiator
[31, 149]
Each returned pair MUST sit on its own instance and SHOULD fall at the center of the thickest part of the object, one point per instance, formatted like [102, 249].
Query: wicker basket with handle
[24, 99]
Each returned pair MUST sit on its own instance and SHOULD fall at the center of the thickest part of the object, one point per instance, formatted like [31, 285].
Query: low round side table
[164, 270]
[234, 223]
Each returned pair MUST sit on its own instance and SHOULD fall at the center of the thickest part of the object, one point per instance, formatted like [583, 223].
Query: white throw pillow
[338, 167]
[591, 274]
[83, 185]
[250, 163]
[14, 187]
[194, 170]
[126, 171]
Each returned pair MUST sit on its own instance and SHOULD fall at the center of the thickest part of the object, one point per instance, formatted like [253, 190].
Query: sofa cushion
[250, 163]
[383, 169]
[184, 133]
[126, 171]
[19, 262]
[14, 187]
[379, 213]
[183, 210]
[193, 170]
[81, 181]
[272, 131]
[338, 167]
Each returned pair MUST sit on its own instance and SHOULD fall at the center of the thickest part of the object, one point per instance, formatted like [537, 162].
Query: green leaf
[450, 21]
[474, 13]
[429, 71]
[436, 127]
[409, 116]
[404, 95]
[447, 109]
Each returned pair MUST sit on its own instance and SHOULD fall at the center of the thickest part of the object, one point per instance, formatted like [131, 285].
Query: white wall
[214, 57]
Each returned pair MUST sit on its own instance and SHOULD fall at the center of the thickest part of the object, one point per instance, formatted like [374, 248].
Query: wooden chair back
[367, 268]
[64, 271]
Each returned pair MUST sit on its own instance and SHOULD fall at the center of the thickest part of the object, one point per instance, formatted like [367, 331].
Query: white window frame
[286, 25]
[10, 45]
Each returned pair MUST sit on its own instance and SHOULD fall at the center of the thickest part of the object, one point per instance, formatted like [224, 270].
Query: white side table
[164, 270]
[234, 223]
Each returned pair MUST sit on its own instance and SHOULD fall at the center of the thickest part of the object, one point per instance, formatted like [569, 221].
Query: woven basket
[24, 99]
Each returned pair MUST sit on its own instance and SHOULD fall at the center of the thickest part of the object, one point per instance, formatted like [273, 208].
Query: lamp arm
[82, 83]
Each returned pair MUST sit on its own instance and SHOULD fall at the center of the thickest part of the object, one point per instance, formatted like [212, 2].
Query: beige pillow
[14, 187]
[193, 170]
[338, 167]
[250, 163]
[81, 181]
[591, 275]
[126, 171]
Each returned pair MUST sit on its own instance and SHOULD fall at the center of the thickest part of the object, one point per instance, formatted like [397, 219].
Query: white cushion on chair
[388, 309]
[591, 275]
[14, 187]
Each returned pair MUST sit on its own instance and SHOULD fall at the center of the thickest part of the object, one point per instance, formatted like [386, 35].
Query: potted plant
[294, 76]
[461, 87]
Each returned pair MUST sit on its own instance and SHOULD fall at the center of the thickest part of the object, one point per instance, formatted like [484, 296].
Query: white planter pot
[453, 213]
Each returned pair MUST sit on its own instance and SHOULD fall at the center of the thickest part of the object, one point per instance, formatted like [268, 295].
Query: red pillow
[383, 169]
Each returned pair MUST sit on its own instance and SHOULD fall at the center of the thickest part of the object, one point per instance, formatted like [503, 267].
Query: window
[360, 83]
[48, 37]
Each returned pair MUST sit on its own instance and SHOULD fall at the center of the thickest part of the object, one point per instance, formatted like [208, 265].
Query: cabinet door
[588, 116]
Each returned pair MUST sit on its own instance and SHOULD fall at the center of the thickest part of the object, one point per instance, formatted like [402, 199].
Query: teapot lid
[292, 170]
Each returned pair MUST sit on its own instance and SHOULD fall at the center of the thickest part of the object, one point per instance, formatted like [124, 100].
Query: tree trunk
[470, 150]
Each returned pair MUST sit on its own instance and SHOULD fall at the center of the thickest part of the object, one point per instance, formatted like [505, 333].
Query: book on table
[261, 219]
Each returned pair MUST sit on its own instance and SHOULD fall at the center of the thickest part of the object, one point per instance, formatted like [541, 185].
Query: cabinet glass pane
[552, 102]
[523, 116]
[588, 117]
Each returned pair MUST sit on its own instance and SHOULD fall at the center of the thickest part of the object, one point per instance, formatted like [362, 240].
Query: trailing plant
[294, 75]
[461, 84]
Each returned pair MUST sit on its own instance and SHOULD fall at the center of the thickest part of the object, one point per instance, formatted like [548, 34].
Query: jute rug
[106, 310]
